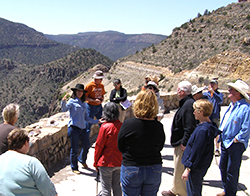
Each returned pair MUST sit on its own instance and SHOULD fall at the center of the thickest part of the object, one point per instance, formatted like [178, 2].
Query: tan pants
[122, 114]
[179, 185]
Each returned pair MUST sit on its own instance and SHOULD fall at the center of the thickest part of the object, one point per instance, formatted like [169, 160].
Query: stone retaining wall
[49, 141]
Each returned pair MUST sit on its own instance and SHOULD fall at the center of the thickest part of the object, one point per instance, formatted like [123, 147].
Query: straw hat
[196, 90]
[241, 87]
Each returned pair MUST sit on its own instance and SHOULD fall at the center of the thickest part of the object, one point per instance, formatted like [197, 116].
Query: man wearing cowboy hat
[235, 127]
[94, 96]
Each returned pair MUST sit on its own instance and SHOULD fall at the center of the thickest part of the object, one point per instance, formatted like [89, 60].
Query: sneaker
[217, 153]
[76, 171]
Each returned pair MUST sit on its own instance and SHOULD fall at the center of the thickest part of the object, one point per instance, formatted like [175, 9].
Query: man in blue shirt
[214, 96]
[235, 127]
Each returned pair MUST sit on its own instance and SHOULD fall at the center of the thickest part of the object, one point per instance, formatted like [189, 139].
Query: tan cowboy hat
[241, 87]
[196, 90]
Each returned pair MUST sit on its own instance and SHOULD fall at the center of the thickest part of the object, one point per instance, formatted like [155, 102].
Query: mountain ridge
[112, 44]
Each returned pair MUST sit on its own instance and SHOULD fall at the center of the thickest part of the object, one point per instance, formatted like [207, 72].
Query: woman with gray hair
[10, 115]
[107, 157]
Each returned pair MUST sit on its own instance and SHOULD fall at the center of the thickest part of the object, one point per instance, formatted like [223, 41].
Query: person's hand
[65, 97]
[97, 101]
[96, 168]
[183, 147]
[101, 120]
[235, 140]
[210, 89]
[185, 174]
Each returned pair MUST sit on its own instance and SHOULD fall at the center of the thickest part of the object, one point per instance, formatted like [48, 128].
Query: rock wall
[49, 140]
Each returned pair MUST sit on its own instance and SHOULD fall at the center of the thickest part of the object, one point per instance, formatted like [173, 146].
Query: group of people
[128, 153]
[20, 174]
[128, 148]
[193, 141]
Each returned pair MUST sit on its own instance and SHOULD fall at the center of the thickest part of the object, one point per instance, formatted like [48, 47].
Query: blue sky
[127, 16]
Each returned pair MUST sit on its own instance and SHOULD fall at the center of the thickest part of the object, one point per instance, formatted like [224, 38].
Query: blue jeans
[93, 111]
[230, 162]
[194, 183]
[75, 134]
[142, 180]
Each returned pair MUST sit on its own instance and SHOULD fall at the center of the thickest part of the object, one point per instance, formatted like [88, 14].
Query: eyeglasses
[197, 110]
[232, 89]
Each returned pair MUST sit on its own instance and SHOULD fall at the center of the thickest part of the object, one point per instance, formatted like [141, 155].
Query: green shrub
[184, 26]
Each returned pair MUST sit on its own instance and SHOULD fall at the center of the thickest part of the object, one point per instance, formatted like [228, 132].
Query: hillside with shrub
[33, 86]
[25, 45]
[224, 29]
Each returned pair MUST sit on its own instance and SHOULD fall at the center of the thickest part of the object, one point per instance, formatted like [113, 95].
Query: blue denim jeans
[93, 111]
[142, 180]
[194, 183]
[75, 134]
[230, 162]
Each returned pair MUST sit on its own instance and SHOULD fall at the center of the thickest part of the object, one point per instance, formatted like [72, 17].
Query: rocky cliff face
[227, 66]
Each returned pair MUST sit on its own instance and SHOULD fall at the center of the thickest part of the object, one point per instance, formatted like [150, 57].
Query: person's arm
[189, 123]
[218, 97]
[112, 96]
[244, 130]
[65, 106]
[198, 148]
[88, 119]
[123, 95]
[41, 178]
[99, 146]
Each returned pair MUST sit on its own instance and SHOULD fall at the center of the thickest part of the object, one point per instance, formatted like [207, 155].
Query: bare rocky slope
[227, 67]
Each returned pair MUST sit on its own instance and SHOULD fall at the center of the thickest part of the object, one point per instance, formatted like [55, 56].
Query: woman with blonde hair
[199, 150]
[141, 140]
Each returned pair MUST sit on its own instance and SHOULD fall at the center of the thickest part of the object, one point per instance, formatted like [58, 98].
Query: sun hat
[155, 79]
[214, 81]
[79, 87]
[151, 83]
[98, 75]
[196, 90]
[241, 87]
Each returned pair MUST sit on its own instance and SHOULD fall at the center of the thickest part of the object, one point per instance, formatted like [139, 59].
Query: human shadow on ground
[168, 170]
[63, 163]
[168, 146]
[244, 158]
[168, 157]
[218, 184]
